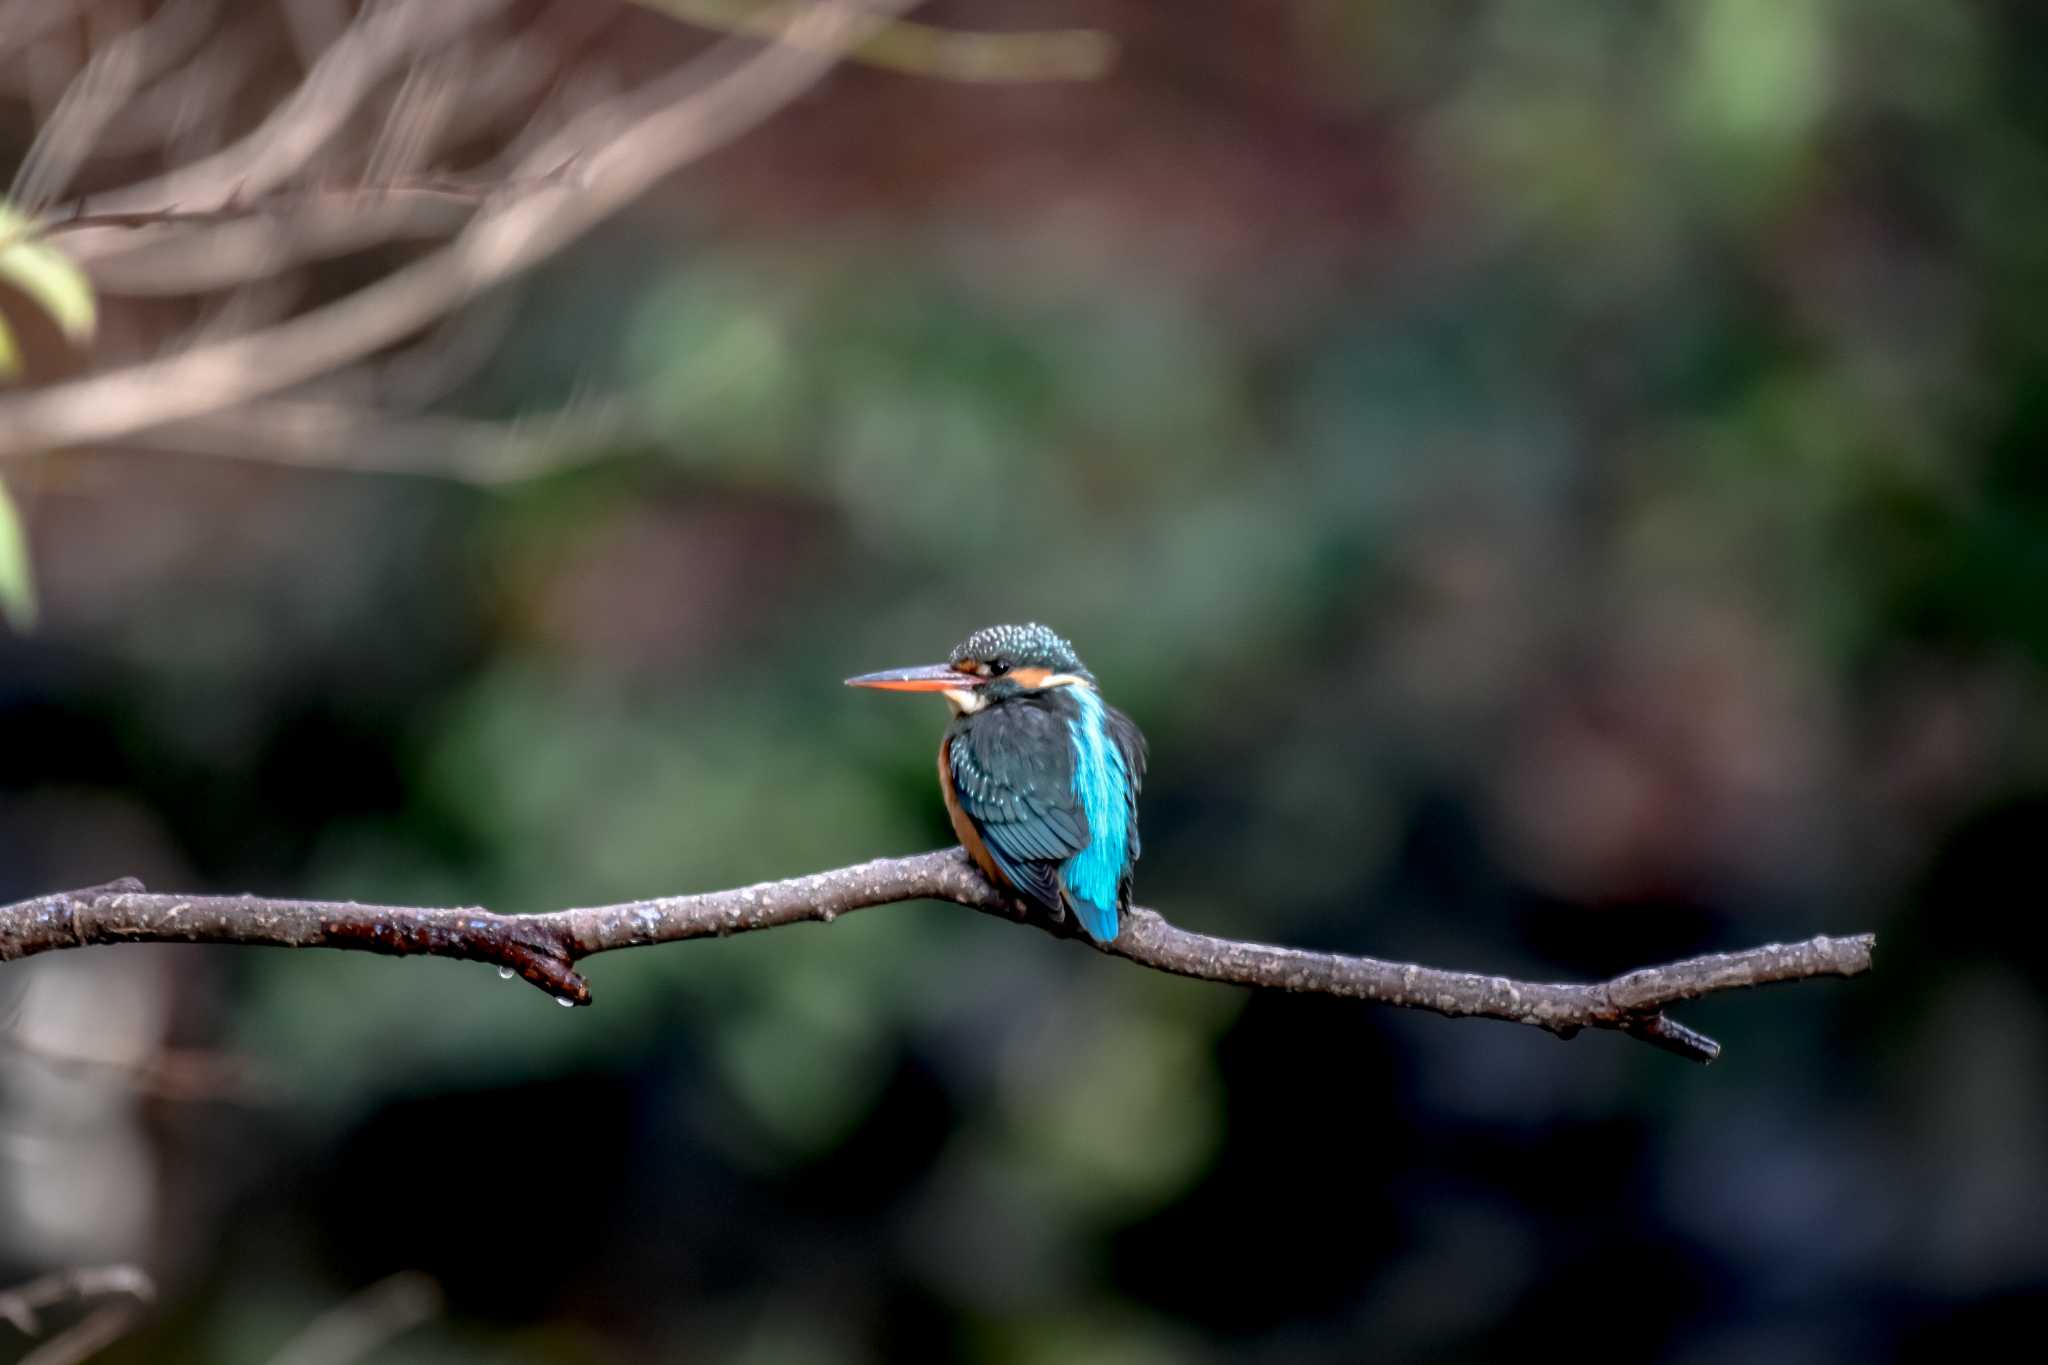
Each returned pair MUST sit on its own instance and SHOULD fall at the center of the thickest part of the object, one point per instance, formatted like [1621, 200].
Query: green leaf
[17, 588]
[47, 313]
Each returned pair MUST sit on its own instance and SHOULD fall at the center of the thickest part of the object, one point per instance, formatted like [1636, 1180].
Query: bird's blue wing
[1130, 744]
[1013, 775]
[1108, 767]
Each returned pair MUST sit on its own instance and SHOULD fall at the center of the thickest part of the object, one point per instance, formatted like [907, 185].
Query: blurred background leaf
[47, 311]
[17, 580]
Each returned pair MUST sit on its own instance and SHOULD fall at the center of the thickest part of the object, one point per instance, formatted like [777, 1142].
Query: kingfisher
[1039, 773]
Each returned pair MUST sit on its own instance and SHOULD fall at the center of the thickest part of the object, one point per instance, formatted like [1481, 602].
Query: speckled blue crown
[1025, 646]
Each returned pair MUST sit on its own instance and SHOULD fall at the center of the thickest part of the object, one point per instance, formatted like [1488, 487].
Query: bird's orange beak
[924, 678]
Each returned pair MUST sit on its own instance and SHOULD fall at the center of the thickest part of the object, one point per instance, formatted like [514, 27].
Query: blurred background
[1560, 486]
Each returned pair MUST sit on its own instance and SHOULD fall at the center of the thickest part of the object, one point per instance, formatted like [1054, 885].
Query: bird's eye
[995, 666]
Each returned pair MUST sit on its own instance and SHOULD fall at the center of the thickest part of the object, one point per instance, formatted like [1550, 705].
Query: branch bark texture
[544, 949]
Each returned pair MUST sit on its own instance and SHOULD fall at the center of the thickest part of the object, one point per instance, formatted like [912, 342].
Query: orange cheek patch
[1030, 677]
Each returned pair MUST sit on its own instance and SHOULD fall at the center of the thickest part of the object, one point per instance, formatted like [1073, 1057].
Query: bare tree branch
[82, 217]
[385, 38]
[337, 203]
[546, 948]
[497, 244]
[206, 250]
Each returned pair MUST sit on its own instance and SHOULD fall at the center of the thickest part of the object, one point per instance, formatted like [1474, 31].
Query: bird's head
[989, 666]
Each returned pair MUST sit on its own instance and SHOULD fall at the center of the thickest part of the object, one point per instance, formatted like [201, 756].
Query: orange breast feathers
[963, 828]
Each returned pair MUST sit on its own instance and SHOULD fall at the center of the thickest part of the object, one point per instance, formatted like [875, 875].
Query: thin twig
[81, 217]
[545, 948]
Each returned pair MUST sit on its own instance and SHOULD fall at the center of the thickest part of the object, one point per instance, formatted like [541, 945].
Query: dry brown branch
[500, 242]
[546, 948]
[383, 39]
[342, 203]
[84, 217]
[203, 251]
[240, 241]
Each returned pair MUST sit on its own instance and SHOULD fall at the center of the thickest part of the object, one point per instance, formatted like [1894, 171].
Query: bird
[1040, 775]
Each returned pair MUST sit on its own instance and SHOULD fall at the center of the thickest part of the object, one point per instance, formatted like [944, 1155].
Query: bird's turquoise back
[1048, 783]
[1093, 878]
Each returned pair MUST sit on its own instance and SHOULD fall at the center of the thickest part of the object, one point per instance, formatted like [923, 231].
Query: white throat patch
[965, 701]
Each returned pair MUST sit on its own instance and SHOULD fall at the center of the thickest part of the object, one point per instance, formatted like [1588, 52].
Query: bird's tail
[1098, 920]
